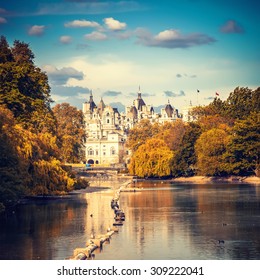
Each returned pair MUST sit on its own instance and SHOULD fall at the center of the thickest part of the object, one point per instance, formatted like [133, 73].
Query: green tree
[24, 88]
[243, 149]
[151, 159]
[241, 102]
[184, 157]
[5, 51]
[210, 150]
[70, 132]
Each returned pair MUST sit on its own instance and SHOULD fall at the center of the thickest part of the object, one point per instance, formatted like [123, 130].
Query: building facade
[106, 128]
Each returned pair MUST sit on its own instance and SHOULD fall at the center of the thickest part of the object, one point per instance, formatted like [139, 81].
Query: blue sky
[170, 49]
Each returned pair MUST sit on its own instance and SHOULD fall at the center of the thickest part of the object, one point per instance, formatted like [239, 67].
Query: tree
[29, 154]
[172, 133]
[210, 150]
[243, 149]
[12, 173]
[24, 88]
[184, 157]
[241, 102]
[151, 159]
[70, 132]
[22, 52]
[5, 52]
[140, 133]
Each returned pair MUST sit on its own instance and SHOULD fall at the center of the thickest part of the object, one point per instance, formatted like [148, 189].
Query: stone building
[106, 128]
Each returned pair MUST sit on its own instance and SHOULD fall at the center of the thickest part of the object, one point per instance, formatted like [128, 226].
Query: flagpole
[198, 97]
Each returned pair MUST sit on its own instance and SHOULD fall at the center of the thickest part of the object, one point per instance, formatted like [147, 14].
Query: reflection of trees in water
[197, 216]
[29, 231]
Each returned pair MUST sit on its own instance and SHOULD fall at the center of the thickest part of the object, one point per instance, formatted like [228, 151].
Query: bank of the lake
[212, 179]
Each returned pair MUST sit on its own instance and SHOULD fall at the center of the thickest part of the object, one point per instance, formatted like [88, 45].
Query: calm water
[163, 221]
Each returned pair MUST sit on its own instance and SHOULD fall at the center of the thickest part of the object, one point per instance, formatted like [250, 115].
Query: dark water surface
[163, 221]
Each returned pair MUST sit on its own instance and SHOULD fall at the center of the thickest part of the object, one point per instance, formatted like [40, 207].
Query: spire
[139, 93]
[91, 96]
[91, 101]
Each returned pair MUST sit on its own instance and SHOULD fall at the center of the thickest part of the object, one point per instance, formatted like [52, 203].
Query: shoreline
[213, 179]
[109, 186]
[195, 180]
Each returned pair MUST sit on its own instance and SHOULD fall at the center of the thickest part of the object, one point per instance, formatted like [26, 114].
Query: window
[107, 120]
[112, 151]
[96, 152]
[90, 152]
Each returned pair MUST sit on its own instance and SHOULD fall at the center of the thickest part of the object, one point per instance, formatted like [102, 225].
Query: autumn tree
[172, 133]
[29, 152]
[151, 159]
[12, 173]
[184, 157]
[210, 150]
[142, 131]
[70, 132]
[243, 149]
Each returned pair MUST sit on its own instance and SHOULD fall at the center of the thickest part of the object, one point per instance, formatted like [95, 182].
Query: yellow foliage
[210, 148]
[151, 159]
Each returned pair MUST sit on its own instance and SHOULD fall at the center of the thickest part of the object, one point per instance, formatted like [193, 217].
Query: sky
[178, 51]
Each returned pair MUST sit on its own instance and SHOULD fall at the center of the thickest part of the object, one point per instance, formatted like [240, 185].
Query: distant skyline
[178, 50]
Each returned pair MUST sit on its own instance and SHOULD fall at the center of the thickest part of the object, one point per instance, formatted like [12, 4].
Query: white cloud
[36, 30]
[96, 36]
[170, 93]
[3, 20]
[167, 35]
[112, 72]
[114, 24]
[81, 23]
[172, 39]
[63, 75]
[65, 39]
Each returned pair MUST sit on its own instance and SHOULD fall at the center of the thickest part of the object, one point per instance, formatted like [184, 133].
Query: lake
[163, 221]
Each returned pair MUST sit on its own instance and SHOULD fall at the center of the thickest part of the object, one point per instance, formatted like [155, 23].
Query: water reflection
[163, 221]
[189, 222]
[52, 229]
